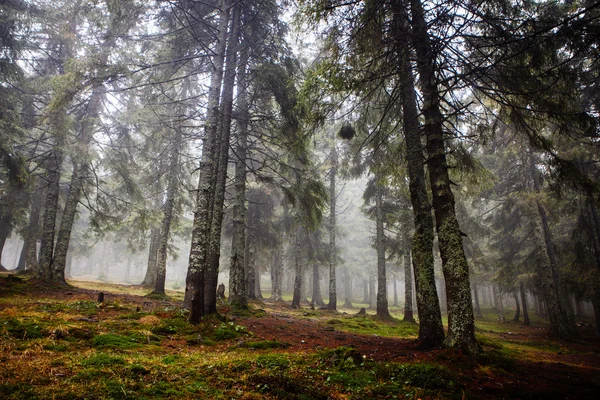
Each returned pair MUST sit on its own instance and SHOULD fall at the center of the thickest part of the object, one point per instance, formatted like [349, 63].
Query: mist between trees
[424, 157]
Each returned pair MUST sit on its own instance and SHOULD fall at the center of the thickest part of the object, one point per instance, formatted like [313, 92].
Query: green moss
[265, 344]
[273, 361]
[110, 340]
[228, 331]
[56, 347]
[103, 360]
[22, 329]
[174, 325]
[423, 375]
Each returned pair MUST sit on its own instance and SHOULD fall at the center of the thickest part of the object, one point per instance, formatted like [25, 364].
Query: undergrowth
[75, 348]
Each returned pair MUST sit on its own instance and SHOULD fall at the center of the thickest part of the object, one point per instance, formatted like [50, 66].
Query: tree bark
[165, 230]
[524, 304]
[517, 316]
[332, 247]
[372, 292]
[366, 296]
[152, 264]
[277, 274]
[561, 324]
[195, 279]
[237, 270]
[250, 269]
[395, 284]
[461, 326]
[476, 298]
[431, 331]
[316, 298]
[408, 293]
[297, 270]
[50, 213]
[214, 244]
[33, 229]
[382, 300]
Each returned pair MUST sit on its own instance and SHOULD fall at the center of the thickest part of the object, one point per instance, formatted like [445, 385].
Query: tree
[461, 326]
[195, 281]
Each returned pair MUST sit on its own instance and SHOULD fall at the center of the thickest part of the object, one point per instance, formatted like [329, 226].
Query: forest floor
[60, 343]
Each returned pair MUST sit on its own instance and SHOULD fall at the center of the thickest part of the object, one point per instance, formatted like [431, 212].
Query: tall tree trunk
[297, 297]
[250, 269]
[476, 298]
[461, 326]
[524, 304]
[382, 300]
[50, 214]
[237, 269]
[195, 279]
[257, 288]
[150, 277]
[33, 229]
[518, 306]
[366, 297]
[332, 248]
[316, 298]
[214, 245]
[395, 283]
[431, 331]
[347, 289]
[165, 230]
[22, 258]
[596, 306]
[372, 292]
[408, 293]
[498, 306]
[561, 324]
[277, 274]
[80, 166]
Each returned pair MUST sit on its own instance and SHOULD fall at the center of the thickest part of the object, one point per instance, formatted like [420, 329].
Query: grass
[74, 348]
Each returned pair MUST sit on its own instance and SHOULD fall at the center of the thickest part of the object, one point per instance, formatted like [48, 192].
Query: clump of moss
[111, 340]
[103, 360]
[423, 375]
[22, 329]
[265, 344]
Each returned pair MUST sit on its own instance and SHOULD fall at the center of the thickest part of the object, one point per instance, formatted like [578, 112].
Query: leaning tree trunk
[195, 280]
[237, 270]
[461, 326]
[214, 244]
[332, 249]
[431, 330]
[382, 300]
[408, 293]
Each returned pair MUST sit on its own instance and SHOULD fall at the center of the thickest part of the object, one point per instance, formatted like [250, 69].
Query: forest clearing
[59, 343]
